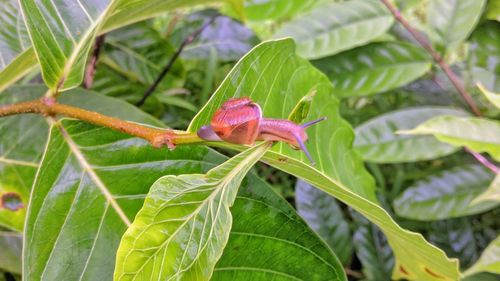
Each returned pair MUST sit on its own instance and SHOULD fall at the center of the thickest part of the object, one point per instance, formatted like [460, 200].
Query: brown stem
[353, 273]
[91, 66]
[457, 83]
[48, 106]
[172, 60]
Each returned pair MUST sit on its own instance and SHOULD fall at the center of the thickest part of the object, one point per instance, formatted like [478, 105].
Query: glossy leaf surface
[24, 137]
[489, 260]
[446, 194]
[490, 194]
[478, 134]
[62, 35]
[377, 141]
[493, 98]
[375, 68]
[226, 39]
[183, 227]
[75, 210]
[455, 237]
[16, 55]
[453, 20]
[269, 241]
[323, 214]
[272, 74]
[131, 11]
[484, 57]
[373, 251]
[257, 10]
[11, 244]
[334, 27]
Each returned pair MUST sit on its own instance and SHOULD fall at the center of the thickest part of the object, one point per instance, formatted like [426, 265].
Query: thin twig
[457, 83]
[484, 161]
[173, 59]
[49, 107]
[92, 64]
[353, 273]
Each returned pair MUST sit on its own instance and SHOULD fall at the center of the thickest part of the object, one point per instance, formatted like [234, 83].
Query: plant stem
[484, 161]
[172, 60]
[48, 106]
[457, 83]
[92, 64]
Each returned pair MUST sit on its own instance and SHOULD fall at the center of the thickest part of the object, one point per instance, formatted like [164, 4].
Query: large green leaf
[375, 68]
[323, 214]
[376, 140]
[133, 58]
[258, 10]
[493, 10]
[456, 238]
[183, 227]
[139, 53]
[11, 244]
[453, 20]
[226, 39]
[24, 136]
[63, 34]
[484, 55]
[493, 98]
[446, 194]
[372, 250]
[489, 260]
[265, 225]
[273, 76]
[478, 134]
[335, 27]
[490, 194]
[16, 55]
[66, 207]
[130, 11]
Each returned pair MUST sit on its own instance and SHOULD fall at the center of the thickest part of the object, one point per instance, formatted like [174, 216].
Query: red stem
[457, 83]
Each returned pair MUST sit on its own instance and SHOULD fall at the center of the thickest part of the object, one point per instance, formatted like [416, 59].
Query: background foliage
[397, 192]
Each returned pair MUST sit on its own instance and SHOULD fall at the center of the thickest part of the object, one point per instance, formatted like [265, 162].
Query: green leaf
[377, 142]
[11, 244]
[183, 227]
[69, 203]
[139, 54]
[300, 112]
[445, 195]
[490, 194]
[335, 27]
[373, 251]
[489, 260]
[274, 77]
[226, 38]
[492, 97]
[453, 20]
[16, 55]
[267, 227]
[130, 11]
[323, 214]
[375, 68]
[478, 134]
[493, 10]
[259, 10]
[63, 34]
[21, 147]
[456, 238]
[65, 209]
[484, 55]
[265, 75]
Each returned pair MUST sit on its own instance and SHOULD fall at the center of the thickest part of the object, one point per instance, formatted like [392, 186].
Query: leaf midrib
[222, 186]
